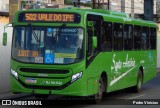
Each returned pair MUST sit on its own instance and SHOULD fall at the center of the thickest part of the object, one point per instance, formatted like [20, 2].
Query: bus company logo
[52, 82]
[119, 64]
[6, 102]
[30, 80]
[43, 75]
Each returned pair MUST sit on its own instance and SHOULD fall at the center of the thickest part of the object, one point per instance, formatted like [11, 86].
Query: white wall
[4, 5]
[5, 52]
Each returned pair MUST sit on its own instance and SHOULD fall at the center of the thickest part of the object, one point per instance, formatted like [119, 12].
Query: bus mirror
[94, 42]
[4, 39]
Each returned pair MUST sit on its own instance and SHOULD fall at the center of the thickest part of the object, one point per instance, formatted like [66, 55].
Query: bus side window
[153, 38]
[128, 37]
[145, 38]
[137, 37]
[89, 41]
[106, 36]
[118, 36]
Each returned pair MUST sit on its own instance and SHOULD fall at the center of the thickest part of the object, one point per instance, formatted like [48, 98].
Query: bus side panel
[93, 74]
[150, 70]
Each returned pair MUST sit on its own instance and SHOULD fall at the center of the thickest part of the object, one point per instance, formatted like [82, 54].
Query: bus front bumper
[77, 88]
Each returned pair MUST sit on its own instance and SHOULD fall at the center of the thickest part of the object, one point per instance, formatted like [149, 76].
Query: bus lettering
[56, 17]
[117, 65]
[71, 18]
[23, 53]
[42, 16]
[27, 53]
[129, 63]
[35, 54]
[31, 17]
[50, 17]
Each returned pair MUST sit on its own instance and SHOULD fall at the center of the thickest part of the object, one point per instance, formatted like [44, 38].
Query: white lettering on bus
[117, 65]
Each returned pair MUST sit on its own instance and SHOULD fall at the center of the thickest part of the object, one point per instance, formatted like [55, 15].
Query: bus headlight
[14, 73]
[76, 76]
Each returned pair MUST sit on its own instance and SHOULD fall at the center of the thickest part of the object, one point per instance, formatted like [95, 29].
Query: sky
[85, 0]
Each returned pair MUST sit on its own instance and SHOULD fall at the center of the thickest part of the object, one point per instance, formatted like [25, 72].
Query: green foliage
[23, 3]
[88, 4]
[68, 2]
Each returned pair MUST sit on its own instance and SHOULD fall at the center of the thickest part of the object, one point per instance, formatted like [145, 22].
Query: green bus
[80, 52]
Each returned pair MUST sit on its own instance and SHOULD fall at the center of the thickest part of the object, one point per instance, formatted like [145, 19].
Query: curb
[12, 96]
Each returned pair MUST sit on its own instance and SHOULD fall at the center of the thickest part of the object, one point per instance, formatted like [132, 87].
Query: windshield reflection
[48, 45]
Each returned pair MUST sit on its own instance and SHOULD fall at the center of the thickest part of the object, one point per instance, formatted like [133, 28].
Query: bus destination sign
[49, 17]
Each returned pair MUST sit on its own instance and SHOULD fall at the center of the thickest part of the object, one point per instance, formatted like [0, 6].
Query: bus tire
[138, 86]
[41, 96]
[98, 97]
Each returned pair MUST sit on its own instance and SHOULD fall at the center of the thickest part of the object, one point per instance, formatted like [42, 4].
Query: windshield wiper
[35, 35]
[58, 33]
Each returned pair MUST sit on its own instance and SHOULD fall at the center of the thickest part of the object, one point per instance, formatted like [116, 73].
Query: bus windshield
[47, 45]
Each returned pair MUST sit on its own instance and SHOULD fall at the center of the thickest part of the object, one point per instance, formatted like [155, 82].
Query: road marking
[137, 96]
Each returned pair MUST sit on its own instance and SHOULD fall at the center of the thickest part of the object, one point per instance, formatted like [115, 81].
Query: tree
[88, 4]
[68, 2]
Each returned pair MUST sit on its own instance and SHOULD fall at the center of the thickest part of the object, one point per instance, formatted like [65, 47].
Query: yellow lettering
[35, 54]
[27, 16]
[27, 53]
[55, 17]
[50, 17]
[71, 18]
[34, 17]
[67, 17]
[44, 16]
[59, 17]
[31, 17]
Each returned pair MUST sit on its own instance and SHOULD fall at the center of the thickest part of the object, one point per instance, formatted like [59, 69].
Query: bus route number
[49, 17]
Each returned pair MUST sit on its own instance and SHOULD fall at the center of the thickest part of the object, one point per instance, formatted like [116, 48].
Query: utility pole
[93, 4]
[148, 10]
[14, 5]
[76, 3]
[108, 4]
[132, 8]
[122, 5]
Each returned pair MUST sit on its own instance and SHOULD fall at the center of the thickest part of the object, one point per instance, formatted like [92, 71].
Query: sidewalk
[9, 95]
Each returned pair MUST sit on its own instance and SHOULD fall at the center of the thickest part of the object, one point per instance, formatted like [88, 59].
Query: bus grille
[51, 71]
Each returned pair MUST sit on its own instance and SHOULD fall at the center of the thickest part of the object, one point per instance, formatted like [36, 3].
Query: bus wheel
[98, 97]
[138, 87]
[40, 96]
